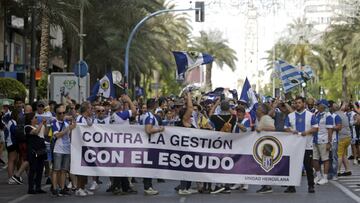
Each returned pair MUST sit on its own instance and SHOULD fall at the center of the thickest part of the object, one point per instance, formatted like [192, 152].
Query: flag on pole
[307, 73]
[290, 75]
[188, 60]
[248, 95]
[103, 88]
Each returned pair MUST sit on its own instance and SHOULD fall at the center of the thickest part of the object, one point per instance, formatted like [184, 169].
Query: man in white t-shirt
[120, 116]
[322, 141]
[303, 123]
[61, 156]
[83, 119]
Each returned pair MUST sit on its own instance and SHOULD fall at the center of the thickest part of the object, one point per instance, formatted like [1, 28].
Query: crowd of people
[37, 136]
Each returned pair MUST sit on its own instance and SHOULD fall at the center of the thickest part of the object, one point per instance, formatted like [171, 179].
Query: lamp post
[199, 17]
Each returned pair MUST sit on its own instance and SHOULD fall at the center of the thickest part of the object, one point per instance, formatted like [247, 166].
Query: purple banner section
[179, 161]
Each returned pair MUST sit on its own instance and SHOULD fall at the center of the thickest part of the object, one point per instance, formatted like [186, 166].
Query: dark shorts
[22, 149]
[12, 148]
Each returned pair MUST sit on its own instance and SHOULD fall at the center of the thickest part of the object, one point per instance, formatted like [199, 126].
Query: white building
[322, 13]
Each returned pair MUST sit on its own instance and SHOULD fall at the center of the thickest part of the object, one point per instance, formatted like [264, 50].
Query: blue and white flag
[248, 95]
[139, 91]
[290, 75]
[307, 73]
[188, 60]
[103, 88]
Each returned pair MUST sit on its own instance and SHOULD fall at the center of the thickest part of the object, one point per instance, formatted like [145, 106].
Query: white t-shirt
[62, 145]
[121, 117]
[325, 121]
[102, 121]
[301, 122]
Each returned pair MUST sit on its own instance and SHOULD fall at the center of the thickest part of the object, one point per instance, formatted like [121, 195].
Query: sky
[231, 17]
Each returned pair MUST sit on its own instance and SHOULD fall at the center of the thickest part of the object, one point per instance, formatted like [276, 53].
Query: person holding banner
[223, 122]
[121, 185]
[84, 118]
[151, 127]
[303, 123]
[242, 126]
[185, 115]
[61, 156]
[264, 123]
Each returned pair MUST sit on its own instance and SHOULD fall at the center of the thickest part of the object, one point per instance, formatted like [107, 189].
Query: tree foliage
[333, 56]
[11, 88]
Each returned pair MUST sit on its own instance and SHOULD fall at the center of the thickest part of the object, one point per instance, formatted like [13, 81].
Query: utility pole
[5, 34]
[274, 51]
[33, 54]
[199, 8]
[81, 52]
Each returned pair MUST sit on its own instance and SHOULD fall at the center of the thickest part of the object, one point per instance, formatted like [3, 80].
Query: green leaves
[11, 88]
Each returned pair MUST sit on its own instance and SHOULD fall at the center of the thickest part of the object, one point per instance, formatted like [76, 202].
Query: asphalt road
[324, 194]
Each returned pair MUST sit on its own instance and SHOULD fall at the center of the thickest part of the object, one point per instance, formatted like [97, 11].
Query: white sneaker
[317, 179]
[151, 191]
[192, 191]
[11, 181]
[245, 187]
[335, 178]
[356, 162]
[235, 187]
[323, 181]
[184, 192]
[94, 186]
[88, 192]
[69, 185]
[80, 192]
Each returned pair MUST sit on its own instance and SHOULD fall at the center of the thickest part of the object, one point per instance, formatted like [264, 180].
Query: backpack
[227, 127]
[20, 136]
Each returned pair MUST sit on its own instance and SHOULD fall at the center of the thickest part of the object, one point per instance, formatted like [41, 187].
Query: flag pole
[133, 32]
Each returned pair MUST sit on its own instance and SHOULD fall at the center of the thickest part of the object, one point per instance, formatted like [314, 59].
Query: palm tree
[57, 13]
[338, 41]
[111, 24]
[213, 43]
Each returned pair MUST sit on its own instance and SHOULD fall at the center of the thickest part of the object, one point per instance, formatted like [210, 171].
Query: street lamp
[199, 17]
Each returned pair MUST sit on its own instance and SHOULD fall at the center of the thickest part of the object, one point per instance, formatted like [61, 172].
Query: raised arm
[189, 108]
[131, 104]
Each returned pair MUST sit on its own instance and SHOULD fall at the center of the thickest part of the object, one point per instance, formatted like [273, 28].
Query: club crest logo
[69, 84]
[104, 85]
[267, 152]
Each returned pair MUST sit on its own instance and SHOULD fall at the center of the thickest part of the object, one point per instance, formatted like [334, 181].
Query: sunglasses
[100, 111]
[61, 113]
[41, 106]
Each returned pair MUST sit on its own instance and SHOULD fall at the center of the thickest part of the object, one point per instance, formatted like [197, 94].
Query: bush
[11, 88]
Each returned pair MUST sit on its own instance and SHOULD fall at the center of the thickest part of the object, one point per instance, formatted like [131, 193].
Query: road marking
[356, 190]
[346, 191]
[348, 183]
[347, 177]
[22, 198]
[353, 186]
[350, 180]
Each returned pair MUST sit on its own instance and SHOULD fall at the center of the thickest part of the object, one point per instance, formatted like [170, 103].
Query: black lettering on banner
[174, 140]
[184, 141]
[194, 142]
[161, 139]
[127, 138]
[138, 139]
[84, 136]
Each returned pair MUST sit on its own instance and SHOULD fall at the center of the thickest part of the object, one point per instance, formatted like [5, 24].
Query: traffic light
[200, 11]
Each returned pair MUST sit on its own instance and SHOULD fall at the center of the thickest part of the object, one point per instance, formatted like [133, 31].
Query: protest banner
[266, 158]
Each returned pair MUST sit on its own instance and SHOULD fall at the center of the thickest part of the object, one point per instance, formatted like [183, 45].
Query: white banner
[267, 158]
